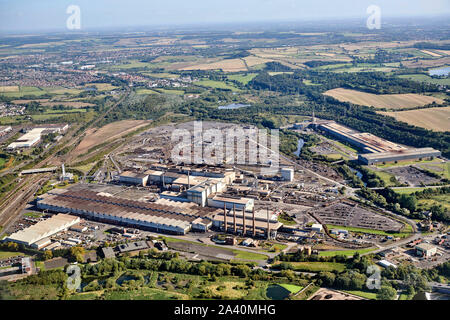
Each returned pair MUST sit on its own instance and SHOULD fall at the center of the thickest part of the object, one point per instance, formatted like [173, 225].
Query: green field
[386, 177]
[146, 91]
[167, 91]
[162, 75]
[317, 266]
[216, 85]
[442, 199]
[132, 64]
[242, 78]
[364, 294]
[427, 79]
[8, 254]
[344, 252]
[291, 287]
[368, 231]
[404, 163]
[35, 91]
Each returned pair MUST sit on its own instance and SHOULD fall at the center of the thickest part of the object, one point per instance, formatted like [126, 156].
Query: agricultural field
[101, 86]
[242, 78]
[4, 89]
[35, 91]
[436, 119]
[72, 104]
[386, 101]
[228, 65]
[427, 79]
[146, 91]
[216, 84]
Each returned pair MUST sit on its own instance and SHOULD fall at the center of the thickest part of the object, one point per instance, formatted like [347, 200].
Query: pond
[124, 278]
[276, 292]
[233, 106]
[300, 145]
[439, 72]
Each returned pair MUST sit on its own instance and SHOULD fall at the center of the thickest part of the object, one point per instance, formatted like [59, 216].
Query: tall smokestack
[254, 229]
[225, 217]
[234, 218]
[243, 221]
[63, 171]
[189, 183]
[268, 224]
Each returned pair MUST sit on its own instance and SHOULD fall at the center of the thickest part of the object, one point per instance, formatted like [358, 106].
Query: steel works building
[43, 229]
[167, 217]
[376, 150]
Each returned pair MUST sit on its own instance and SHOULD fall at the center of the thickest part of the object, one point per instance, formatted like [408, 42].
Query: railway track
[15, 200]
[10, 210]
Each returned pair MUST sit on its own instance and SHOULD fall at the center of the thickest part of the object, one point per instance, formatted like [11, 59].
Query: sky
[39, 15]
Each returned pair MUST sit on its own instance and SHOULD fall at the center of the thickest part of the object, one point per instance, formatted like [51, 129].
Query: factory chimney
[268, 225]
[234, 218]
[254, 229]
[163, 181]
[225, 217]
[243, 221]
[189, 176]
[63, 170]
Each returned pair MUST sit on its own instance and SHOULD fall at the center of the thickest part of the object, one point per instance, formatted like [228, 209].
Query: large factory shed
[218, 201]
[409, 154]
[170, 219]
[366, 141]
[43, 229]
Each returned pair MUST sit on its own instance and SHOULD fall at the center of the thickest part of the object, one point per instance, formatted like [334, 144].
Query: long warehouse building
[410, 154]
[43, 229]
[156, 217]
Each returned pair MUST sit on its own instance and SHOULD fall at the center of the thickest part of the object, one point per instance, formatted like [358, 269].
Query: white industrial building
[129, 177]
[238, 203]
[32, 137]
[386, 264]
[43, 229]
[426, 250]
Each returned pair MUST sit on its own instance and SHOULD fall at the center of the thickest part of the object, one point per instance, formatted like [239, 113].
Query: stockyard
[412, 176]
[347, 213]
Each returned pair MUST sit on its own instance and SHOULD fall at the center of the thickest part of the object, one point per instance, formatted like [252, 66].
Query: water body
[233, 106]
[439, 72]
[357, 172]
[300, 145]
[124, 278]
[276, 292]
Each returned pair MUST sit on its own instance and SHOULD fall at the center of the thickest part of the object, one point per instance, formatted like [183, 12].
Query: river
[300, 145]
